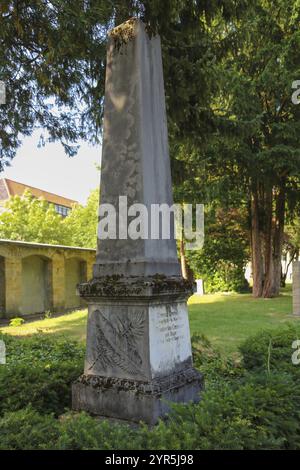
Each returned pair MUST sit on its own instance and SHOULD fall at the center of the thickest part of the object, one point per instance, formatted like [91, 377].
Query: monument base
[138, 356]
[135, 401]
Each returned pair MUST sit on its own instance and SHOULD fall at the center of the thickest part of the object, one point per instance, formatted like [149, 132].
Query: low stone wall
[35, 278]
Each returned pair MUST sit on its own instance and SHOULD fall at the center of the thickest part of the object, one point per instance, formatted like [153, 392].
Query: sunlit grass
[72, 325]
[226, 319]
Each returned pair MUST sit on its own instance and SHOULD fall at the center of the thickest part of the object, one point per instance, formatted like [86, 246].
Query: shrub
[262, 412]
[39, 372]
[26, 429]
[46, 388]
[255, 407]
[271, 350]
[257, 413]
[222, 260]
[16, 322]
[211, 363]
[41, 348]
[80, 431]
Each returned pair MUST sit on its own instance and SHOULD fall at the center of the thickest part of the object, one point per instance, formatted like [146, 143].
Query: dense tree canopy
[229, 68]
[252, 156]
[82, 222]
[52, 60]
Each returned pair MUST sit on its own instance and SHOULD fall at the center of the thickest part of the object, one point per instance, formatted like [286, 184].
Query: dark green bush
[26, 429]
[271, 350]
[222, 260]
[261, 412]
[81, 431]
[211, 363]
[41, 348]
[255, 407]
[39, 372]
[46, 388]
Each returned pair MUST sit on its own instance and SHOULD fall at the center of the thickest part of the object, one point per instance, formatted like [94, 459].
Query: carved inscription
[170, 325]
[169, 336]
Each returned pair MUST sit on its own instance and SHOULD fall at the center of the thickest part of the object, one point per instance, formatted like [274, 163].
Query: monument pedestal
[139, 355]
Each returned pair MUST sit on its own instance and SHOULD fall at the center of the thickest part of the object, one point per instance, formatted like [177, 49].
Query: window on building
[62, 210]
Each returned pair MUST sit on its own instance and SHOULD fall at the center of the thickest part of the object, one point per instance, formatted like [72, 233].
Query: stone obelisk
[296, 288]
[138, 356]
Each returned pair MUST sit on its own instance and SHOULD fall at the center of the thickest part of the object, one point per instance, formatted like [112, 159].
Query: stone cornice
[135, 287]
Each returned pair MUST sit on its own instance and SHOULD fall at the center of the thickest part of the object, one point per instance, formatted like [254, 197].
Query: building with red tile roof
[10, 188]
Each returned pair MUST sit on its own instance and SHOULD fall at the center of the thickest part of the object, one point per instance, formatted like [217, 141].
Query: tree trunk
[294, 255]
[184, 265]
[256, 246]
[278, 237]
[268, 241]
[272, 287]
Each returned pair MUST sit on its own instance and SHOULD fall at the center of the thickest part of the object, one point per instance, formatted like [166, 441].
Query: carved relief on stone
[117, 342]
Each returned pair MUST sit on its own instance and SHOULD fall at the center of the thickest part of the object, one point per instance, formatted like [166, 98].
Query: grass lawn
[226, 319]
[72, 325]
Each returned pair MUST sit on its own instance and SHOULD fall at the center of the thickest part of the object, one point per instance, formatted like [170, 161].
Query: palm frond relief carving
[117, 342]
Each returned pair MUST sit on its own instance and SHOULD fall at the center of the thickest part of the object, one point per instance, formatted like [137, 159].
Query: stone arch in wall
[2, 286]
[75, 273]
[36, 284]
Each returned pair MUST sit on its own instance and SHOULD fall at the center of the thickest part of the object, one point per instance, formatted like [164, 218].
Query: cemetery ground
[242, 345]
[226, 319]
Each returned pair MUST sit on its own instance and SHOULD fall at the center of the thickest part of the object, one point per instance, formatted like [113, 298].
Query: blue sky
[49, 168]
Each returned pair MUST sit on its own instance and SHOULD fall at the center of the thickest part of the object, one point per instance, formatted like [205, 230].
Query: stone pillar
[296, 288]
[13, 286]
[139, 354]
[58, 282]
[135, 160]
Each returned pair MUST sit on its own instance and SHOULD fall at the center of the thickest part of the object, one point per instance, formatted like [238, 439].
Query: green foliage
[222, 260]
[47, 388]
[39, 372]
[240, 409]
[30, 219]
[250, 150]
[42, 349]
[260, 413]
[212, 364]
[82, 222]
[16, 321]
[256, 412]
[59, 51]
[27, 429]
[271, 350]
[80, 431]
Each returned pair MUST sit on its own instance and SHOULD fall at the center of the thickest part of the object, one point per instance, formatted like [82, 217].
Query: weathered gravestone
[138, 340]
[296, 288]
